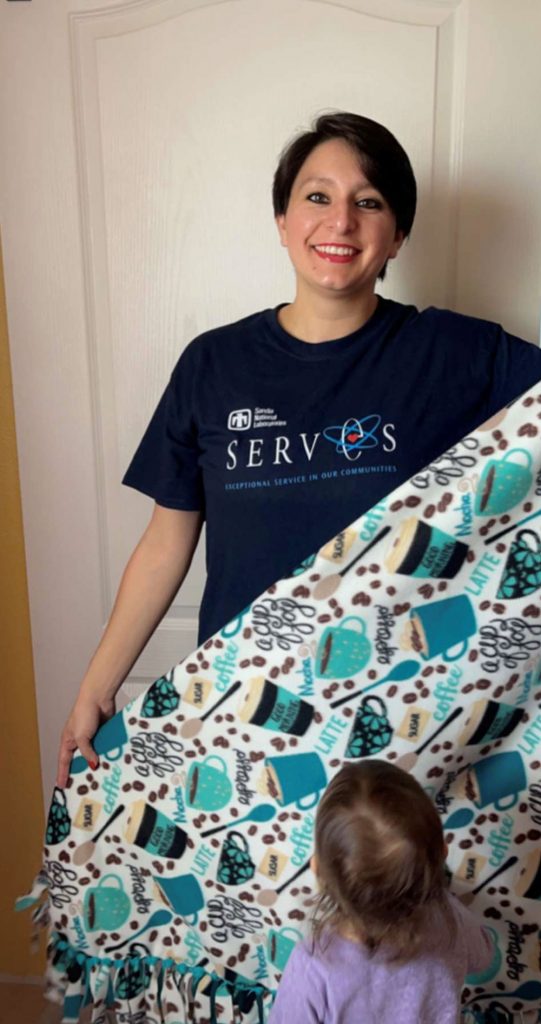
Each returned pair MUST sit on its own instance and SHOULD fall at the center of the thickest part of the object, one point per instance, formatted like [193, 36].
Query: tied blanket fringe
[176, 878]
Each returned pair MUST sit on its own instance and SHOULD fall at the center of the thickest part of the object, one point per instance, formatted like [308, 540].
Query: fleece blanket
[176, 877]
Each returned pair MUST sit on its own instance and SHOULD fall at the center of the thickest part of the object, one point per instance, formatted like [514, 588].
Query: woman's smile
[337, 253]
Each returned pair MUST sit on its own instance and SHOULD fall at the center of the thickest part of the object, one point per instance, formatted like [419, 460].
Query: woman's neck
[324, 320]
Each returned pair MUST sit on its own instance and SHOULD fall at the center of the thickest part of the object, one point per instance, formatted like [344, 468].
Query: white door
[138, 142]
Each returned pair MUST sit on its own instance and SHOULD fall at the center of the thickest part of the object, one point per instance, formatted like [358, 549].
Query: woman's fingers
[87, 750]
[67, 746]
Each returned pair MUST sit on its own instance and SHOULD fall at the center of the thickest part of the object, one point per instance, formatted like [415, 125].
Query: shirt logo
[354, 436]
[240, 419]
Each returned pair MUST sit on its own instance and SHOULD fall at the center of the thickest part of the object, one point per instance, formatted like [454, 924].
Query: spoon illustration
[468, 897]
[404, 670]
[458, 819]
[263, 812]
[327, 586]
[409, 760]
[84, 852]
[514, 526]
[529, 990]
[267, 897]
[156, 919]
[193, 726]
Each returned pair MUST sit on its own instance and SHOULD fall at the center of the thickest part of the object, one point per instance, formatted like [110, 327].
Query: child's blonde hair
[380, 856]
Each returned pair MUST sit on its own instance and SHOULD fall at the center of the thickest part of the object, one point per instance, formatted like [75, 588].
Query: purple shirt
[340, 984]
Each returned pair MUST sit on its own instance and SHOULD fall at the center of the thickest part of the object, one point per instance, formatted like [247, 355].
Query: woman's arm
[155, 571]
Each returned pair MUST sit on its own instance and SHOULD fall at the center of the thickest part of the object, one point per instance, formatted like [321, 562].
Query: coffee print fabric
[176, 878]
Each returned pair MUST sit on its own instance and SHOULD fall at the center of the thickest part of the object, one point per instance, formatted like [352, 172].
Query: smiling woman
[259, 425]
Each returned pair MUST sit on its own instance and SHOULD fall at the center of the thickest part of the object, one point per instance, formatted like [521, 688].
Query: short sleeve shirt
[281, 443]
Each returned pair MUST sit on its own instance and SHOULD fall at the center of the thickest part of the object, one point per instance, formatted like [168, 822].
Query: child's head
[379, 856]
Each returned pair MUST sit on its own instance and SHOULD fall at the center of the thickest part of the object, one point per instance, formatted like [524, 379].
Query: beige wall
[20, 785]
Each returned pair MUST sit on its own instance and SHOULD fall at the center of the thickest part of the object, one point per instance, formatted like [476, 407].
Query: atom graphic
[354, 436]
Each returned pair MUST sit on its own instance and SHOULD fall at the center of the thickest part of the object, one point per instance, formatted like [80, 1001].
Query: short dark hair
[380, 855]
[383, 160]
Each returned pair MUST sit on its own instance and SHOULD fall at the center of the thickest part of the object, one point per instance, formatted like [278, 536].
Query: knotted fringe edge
[82, 978]
[89, 978]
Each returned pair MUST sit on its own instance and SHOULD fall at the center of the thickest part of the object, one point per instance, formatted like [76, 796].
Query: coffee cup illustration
[528, 880]
[440, 627]
[422, 550]
[294, 778]
[106, 906]
[58, 821]
[270, 706]
[280, 945]
[208, 786]
[183, 894]
[235, 866]
[504, 483]
[162, 698]
[152, 831]
[490, 720]
[371, 730]
[498, 779]
[344, 649]
[522, 572]
[480, 977]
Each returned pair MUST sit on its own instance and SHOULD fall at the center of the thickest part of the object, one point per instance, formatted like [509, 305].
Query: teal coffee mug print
[106, 906]
[504, 483]
[344, 649]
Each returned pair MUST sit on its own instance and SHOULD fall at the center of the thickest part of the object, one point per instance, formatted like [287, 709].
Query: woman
[282, 428]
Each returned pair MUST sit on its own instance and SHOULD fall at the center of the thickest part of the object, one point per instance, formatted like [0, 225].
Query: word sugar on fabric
[176, 878]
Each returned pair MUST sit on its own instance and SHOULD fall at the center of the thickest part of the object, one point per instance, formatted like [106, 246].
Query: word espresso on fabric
[176, 877]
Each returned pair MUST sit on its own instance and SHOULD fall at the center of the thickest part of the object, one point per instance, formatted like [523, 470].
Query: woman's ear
[281, 225]
[397, 245]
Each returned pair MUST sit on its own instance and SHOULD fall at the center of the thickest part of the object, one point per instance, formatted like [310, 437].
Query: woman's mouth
[336, 253]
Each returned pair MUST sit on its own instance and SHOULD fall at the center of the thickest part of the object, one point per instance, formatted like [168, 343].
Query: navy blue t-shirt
[281, 442]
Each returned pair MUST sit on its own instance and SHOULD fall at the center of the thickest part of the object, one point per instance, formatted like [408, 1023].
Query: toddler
[390, 944]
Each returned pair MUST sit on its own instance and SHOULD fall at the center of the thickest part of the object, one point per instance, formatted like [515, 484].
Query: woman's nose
[343, 216]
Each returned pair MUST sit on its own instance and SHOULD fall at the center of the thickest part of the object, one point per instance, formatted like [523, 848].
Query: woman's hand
[150, 581]
[89, 712]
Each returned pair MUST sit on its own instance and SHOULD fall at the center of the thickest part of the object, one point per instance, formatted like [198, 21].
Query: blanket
[176, 877]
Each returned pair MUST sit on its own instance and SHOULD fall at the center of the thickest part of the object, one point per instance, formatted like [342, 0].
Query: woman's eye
[369, 203]
[317, 197]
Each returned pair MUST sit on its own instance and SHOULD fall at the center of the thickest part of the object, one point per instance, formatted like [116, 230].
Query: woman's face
[338, 228]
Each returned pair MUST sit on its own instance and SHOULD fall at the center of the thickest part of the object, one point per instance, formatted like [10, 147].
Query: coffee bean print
[362, 599]
[400, 609]
[488, 449]
[396, 506]
[412, 501]
[429, 511]
[426, 591]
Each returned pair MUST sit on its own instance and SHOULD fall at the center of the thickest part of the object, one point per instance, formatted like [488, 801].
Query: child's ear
[313, 864]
